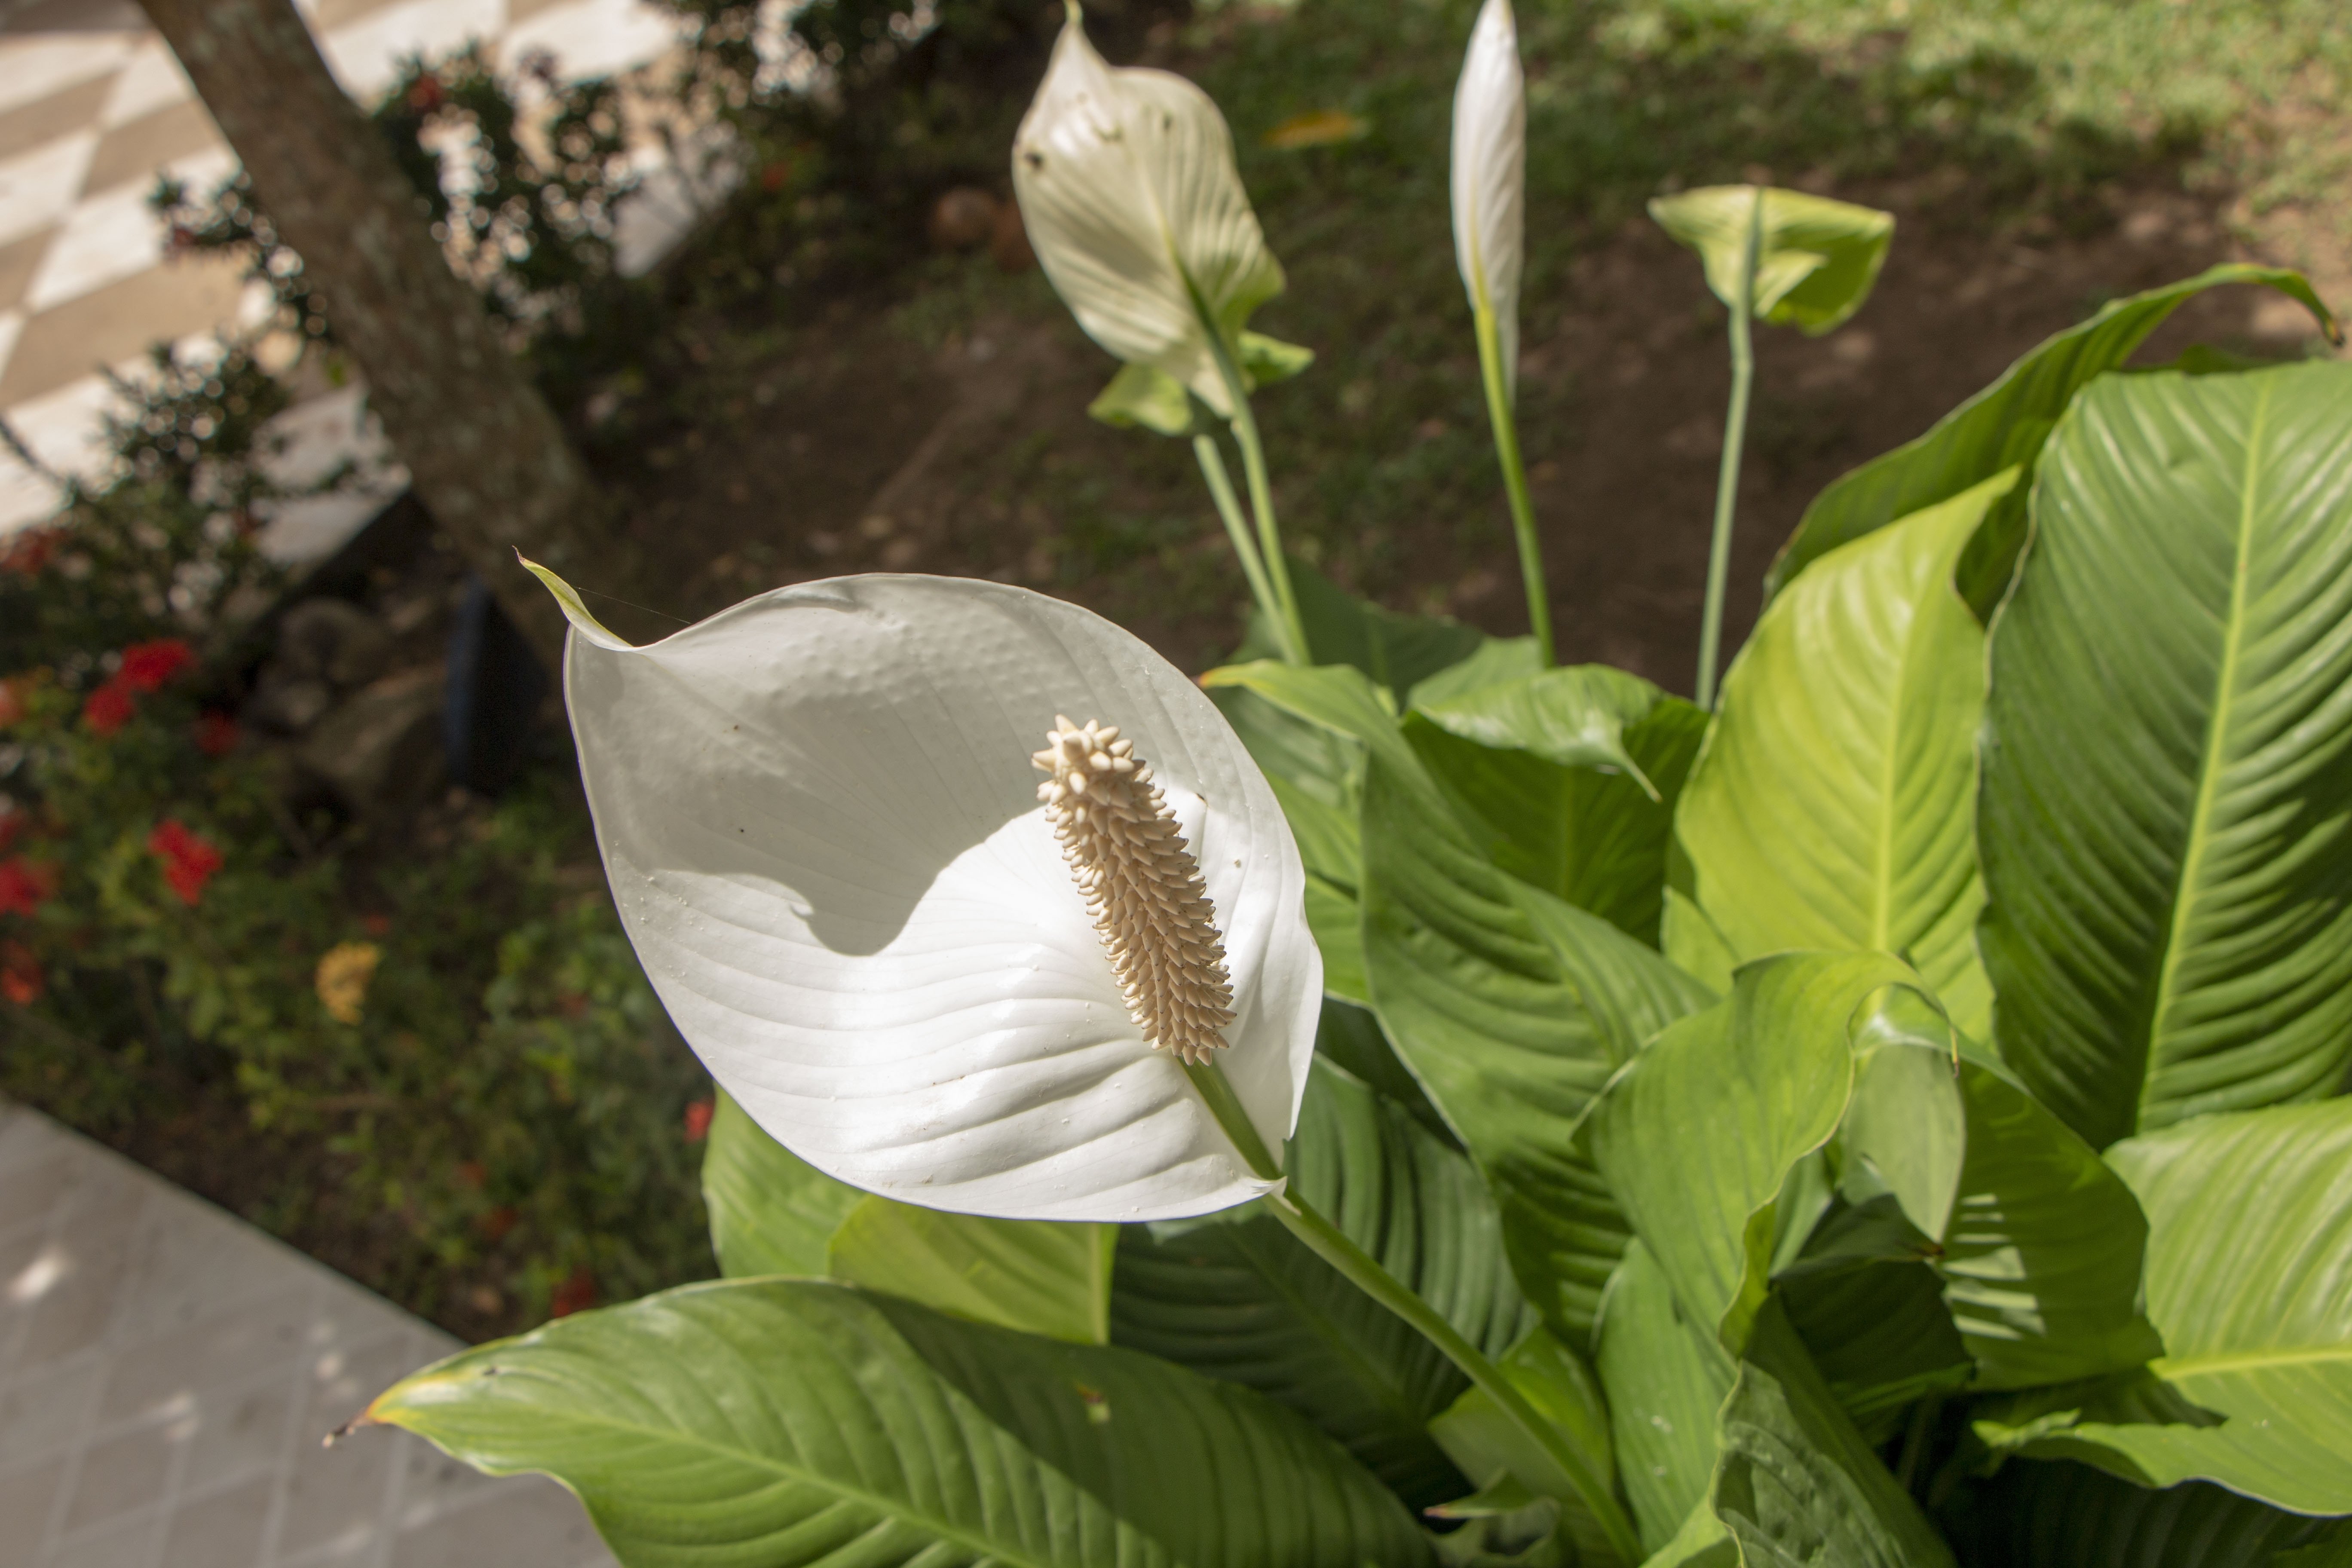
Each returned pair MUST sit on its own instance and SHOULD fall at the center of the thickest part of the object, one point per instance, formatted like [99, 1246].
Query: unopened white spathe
[1128, 188]
[819, 814]
[1490, 176]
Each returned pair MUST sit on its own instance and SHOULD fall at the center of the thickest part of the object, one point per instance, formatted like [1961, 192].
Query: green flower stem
[1727, 482]
[1261, 494]
[1229, 507]
[1515, 481]
[1329, 1243]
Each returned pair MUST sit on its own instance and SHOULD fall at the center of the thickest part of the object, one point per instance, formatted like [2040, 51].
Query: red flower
[24, 886]
[698, 1121]
[147, 665]
[426, 95]
[109, 708]
[576, 1294]
[216, 734]
[20, 975]
[189, 861]
[497, 1223]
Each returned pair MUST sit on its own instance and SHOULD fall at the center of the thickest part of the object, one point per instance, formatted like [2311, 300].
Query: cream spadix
[1490, 176]
[818, 811]
[1128, 188]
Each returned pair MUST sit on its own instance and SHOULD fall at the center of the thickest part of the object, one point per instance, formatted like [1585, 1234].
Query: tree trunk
[484, 453]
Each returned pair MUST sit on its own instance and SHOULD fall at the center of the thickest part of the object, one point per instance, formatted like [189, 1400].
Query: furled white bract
[820, 819]
[1126, 184]
[1490, 176]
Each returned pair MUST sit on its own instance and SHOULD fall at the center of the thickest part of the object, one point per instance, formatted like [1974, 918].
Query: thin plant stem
[1735, 434]
[1261, 494]
[1515, 481]
[1229, 507]
[1332, 1245]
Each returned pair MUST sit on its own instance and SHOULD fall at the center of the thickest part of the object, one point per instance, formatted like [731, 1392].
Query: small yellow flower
[343, 978]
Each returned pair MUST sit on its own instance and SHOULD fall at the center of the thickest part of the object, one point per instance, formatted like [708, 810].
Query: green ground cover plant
[1892, 1113]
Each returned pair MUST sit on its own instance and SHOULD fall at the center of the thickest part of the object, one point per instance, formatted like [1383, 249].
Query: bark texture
[483, 452]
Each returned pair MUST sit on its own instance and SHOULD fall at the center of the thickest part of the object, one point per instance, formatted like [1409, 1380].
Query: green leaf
[2250, 1246]
[1511, 1008]
[1797, 1484]
[1831, 807]
[1498, 660]
[1238, 1298]
[771, 1211]
[1816, 259]
[2168, 776]
[1265, 360]
[2040, 1244]
[1568, 780]
[2003, 426]
[1333, 916]
[2053, 1514]
[1881, 1336]
[1348, 1036]
[1034, 1275]
[790, 1422]
[1336, 698]
[1701, 1542]
[1398, 651]
[1699, 1133]
[1666, 1378]
[1141, 398]
[1317, 776]
[1491, 1448]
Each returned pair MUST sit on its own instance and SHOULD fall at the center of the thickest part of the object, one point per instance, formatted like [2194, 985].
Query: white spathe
[1490, 176]
[820, 819]
[1128, 188]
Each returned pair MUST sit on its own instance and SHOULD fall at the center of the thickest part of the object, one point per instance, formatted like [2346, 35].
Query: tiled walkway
[93, 108]
[166, 1373]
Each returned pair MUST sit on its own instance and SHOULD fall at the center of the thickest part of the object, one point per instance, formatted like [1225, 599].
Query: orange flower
[20, 975]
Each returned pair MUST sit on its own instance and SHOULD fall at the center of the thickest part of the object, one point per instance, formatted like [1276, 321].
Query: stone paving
[167, 1372]
[93, 108]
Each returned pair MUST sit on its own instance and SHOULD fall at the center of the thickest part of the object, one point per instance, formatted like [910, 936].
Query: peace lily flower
[1128, 188]
[820, 812]
[1490, 176]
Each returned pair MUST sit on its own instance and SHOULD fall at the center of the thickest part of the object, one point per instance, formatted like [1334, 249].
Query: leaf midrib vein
[2192, 859]
[887, 1507]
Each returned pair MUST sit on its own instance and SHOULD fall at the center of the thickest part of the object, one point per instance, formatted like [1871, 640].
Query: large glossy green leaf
[1397, 651]
[1697, 1134]
[2168, 774]
[2039, 1244]
[1816, 257]
[771, 1211]
[2054, 1515]
[789, 1422]
[1034, 1274]
[1833, 806]
[1512, 1008]
[2003, 426]
[1495, 1451]
[1568, 780]
[1881, 1336]
[1797, 1485]
[1238, 1298]
[1666, 1378]
[2250, 1282]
